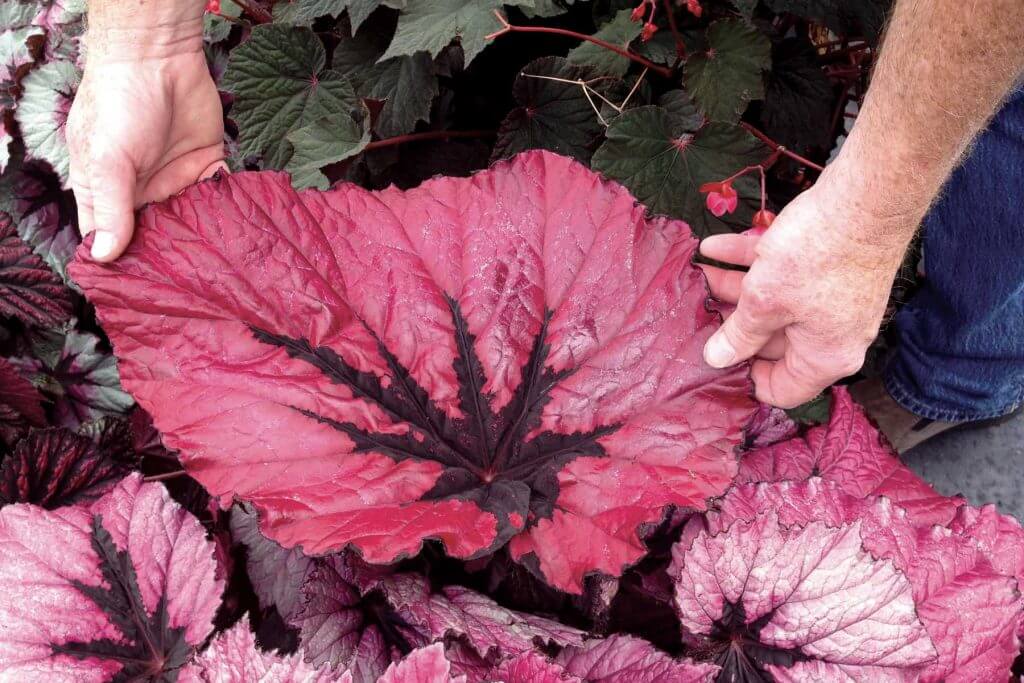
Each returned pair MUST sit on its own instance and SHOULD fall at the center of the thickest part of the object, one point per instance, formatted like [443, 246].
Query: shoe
[902, 428]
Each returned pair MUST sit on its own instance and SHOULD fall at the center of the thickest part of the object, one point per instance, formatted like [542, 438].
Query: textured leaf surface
[42, 113]
[233, 657]
[29, 290]
[15, 30]
[333, 629]
[766, 593]
[620, 31]
[729, 73]
[46, 217]
[533, 667]
[80, 378]
[969, 609]
[406, 86]
[551, 115]
[446, 357]
[324, 142]
[663, 162]
[116, 590]
[850, 452]
[845, 17]
[625, 659]
[430, 25]
[458, 612]
[425, 664]
[54, 467]
[797, 109]
[20, 404]
[280, 85]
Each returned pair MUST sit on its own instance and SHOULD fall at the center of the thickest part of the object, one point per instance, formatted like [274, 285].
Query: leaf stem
[781, 149]
[165, 476]
[680, 45]
[428, 135]
[510, 28]
[257, 13]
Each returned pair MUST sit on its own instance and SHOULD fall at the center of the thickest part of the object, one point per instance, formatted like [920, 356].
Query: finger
[774, 348]
[779, 384]
[113, 207]
[724, 284]
[83, 203]
[737, 249]
[184, 171]
[742, 335]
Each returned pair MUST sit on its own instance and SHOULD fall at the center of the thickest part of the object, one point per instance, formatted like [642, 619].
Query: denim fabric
[961, 337]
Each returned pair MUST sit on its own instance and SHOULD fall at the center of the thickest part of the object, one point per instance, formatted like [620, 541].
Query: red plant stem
[258, 14]
[680, 45]
[781, 149]
[428, 135]
[166, 475]
[510, 28]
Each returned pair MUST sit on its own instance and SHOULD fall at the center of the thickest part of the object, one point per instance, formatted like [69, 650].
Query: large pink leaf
[851, 452]
[123, 588]
[427, 664]
[625, 659]
[233, 657]
[779, 562]
[511, 356]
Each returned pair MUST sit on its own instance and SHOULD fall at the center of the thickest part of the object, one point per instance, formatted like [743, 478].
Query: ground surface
[985, 464]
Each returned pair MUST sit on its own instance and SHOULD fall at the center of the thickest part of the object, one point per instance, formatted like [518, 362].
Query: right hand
[813, 298]
[142, 127]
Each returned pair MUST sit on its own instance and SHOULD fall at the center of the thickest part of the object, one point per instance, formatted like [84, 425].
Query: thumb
[113, 194]
[741, 336]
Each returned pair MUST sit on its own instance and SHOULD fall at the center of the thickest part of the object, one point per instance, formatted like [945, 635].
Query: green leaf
[746, 8]
[216, 27]
[729, 74]
[430, 25]
[15, 30]
[684, 113]
[797, 110]
[280, 85]
[664, 163]
[407, 86]
[620, 32]
[814, 412]
[547, 8]
[305, 12]
[43, 112]
[851, 18]
[323, 142]
[552, 115]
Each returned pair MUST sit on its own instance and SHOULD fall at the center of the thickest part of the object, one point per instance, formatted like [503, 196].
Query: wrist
[119, 31]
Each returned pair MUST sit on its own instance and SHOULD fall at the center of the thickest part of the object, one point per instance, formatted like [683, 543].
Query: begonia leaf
[446, 356]
[29, 290]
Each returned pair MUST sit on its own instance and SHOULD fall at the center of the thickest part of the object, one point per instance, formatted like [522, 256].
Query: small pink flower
[694, 7]
[761, 222]
[213, 6]
[721, 197]
[648, 31]
[638, 12]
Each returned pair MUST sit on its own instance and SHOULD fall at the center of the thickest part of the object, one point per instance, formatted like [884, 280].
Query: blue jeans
[960, 355]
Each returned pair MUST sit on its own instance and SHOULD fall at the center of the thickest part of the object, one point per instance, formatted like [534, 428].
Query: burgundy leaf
[770, 425]
[851, 452]
[333, 628]
[860, 569]
[29, 290]
[46, 216]
[625, 659]
[123, 588]
[427, 664]
[20, 404]
[55, 467]
[487, 627]
[514, 356]
[233, 657]
[277, 574]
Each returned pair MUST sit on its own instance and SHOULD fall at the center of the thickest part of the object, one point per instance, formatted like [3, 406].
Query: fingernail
[719, 353]
[103, 244]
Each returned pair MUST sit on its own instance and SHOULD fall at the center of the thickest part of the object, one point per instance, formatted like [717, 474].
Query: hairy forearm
[944, 68]
[140, 29]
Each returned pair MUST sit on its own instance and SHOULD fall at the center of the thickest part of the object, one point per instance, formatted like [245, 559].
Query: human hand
[814, 297]
[146, 122]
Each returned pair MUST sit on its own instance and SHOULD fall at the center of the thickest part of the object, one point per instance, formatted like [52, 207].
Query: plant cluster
[441, 423]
